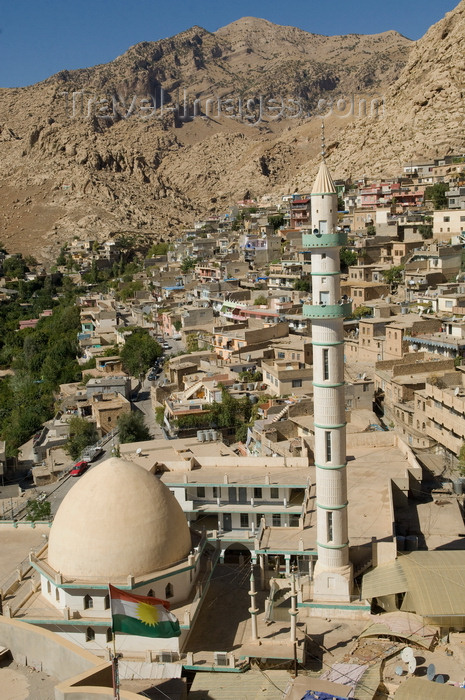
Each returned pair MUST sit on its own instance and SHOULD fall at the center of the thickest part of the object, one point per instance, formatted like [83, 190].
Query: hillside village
[227, 402]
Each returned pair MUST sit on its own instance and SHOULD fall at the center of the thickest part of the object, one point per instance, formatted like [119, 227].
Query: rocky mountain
[106, 149]
[424, 109]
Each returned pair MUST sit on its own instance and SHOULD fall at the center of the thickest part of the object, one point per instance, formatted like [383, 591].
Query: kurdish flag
[142, 615]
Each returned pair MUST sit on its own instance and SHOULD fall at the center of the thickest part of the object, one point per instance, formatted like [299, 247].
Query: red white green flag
[142, 615]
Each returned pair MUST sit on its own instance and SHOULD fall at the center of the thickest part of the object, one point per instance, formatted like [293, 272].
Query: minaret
[333, 572]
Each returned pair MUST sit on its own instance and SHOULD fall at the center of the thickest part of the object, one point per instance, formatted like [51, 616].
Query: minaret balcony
[324, 240]
[316, 311]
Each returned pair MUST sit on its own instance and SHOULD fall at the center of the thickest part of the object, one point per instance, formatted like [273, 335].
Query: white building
[333, 571]
[118, 524]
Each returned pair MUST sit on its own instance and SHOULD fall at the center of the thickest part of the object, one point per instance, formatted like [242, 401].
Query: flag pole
[115, 671]
[114, 658]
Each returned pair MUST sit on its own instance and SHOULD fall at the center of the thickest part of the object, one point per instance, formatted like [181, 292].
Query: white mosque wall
[125, 643]
[94, 602]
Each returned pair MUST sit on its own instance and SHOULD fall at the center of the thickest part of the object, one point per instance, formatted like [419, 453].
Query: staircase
[279, 415]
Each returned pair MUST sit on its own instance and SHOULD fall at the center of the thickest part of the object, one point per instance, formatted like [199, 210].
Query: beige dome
[117, 520]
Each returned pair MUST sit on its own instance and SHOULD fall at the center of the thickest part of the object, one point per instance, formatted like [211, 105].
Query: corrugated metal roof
[401, 624]
[252, 685]
[434, 582]
[415, 688]
[384, 580]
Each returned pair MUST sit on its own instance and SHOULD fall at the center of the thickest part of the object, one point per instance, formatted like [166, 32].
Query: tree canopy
[132, 427]
[437, 194]
[139, 352]
[82, 434]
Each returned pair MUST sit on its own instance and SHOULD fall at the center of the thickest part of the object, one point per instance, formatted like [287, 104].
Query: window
[106, 602]
[200, 491]
[328, 445]
[446, 219]
[109, 635]
[151, 594]
[462, 218]
[169, 590]
[329, 517]
[274, 493]
[90, 634]
[257, 493]
[276, 520]
[88, 602]
[296, 383]
[325, 363]
[281, 356]
[258, 519]
[49, 587]
[244, 520]
[216, 492]
[57, 594]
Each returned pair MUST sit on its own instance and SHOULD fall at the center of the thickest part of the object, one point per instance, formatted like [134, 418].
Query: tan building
[406, 325]
[363, 292]
[284, 378]
[107, 408]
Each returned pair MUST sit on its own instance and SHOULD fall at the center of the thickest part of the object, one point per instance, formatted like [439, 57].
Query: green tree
[340, 204]
[302, 285]
[160, 415]
[394, 275]
[158, 249]
[371, 230]
[188, 264]
[426, 231]
[348, 258]
[437, 195]
[177, 325]
[139, 352]
[14, 267]
[261, 300]
[132, 427]
[276, 221]
[38, 510]
[361, 311]
[82, 434]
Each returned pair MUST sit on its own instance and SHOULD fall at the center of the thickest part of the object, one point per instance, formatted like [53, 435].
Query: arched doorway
[237, 553]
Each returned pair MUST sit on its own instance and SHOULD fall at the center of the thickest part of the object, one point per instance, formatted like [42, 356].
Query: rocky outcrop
[104, 149]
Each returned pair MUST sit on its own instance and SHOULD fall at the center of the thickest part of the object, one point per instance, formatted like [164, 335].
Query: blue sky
[41, 37]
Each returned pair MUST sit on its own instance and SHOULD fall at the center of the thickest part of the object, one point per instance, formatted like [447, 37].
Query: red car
[79, 468]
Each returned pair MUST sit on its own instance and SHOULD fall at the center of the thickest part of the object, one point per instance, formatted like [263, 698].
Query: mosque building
[119, 524]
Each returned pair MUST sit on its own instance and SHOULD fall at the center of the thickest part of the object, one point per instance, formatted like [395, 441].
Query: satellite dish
[456, 391]
[399, 671]
[138, 451]
[439, 679]
[412, 666]
[407, 654]
[431, 672]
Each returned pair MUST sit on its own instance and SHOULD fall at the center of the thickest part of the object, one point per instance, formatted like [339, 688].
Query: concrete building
[119, 524]
[333, 572]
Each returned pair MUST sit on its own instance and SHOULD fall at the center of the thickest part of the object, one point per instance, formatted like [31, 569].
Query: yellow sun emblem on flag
[148, 614]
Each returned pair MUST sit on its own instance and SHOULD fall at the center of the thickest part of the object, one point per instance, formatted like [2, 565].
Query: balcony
[324, 240]
[320, 311]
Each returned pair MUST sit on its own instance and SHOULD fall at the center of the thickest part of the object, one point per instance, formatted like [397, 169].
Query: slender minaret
[333, 572]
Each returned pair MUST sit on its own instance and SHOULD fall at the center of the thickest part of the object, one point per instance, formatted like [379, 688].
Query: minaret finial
[323, 147]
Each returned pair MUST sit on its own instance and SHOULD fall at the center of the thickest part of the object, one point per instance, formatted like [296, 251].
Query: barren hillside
[105, 149]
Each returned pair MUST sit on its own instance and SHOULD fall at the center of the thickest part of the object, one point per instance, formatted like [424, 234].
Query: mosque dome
[117, 520]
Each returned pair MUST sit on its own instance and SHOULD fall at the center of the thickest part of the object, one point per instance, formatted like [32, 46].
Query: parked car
[152, 375]
[92, 453]
[79, 468]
